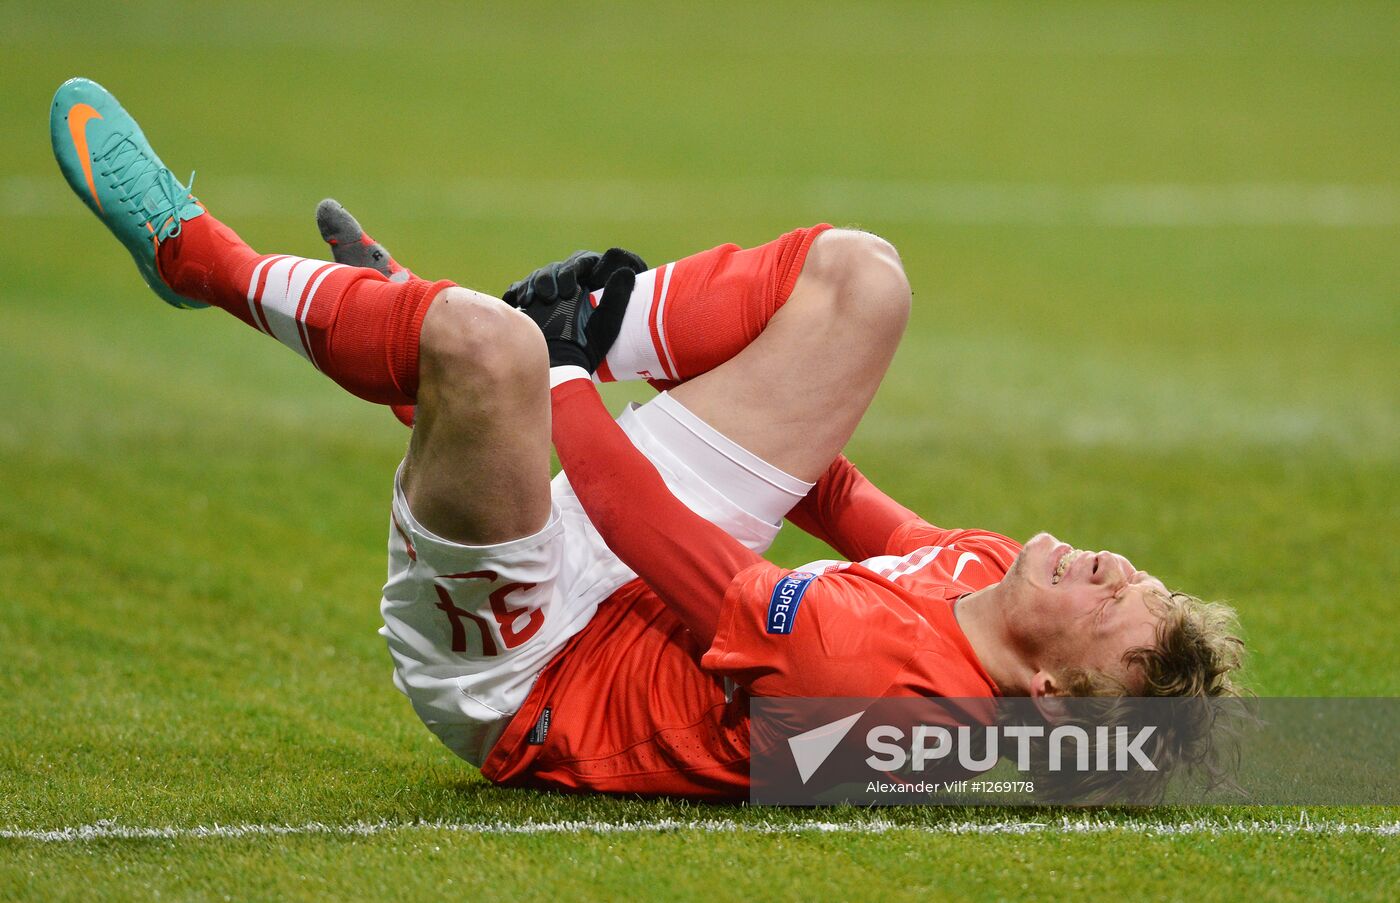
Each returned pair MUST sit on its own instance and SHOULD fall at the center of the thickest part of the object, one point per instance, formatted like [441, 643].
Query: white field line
[869, 202]
[1212, 828]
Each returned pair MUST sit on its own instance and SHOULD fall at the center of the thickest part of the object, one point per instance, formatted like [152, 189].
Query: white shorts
[470, 628]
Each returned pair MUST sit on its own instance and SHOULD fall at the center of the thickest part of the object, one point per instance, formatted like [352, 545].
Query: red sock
[405, 413]
[688, 317]
[352, 323]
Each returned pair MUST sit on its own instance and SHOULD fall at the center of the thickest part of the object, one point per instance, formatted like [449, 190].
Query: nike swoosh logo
[78, 118]
[964, 560]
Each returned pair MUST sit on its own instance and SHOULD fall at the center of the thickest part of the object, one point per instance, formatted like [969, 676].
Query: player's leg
[780, 348]
[794, 395]
[477, 469]
[482, 374]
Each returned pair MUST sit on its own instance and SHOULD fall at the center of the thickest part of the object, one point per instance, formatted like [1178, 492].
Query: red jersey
[634, 705]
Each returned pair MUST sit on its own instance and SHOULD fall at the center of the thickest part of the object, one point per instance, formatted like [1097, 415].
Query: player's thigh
[795, 395]
[477, 470]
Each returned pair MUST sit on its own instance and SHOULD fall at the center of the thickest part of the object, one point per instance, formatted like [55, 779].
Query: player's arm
[687, 560]
[853, 516]
[849, 513]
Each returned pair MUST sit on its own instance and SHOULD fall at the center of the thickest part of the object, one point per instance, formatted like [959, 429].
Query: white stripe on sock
[253, 290]
[665, 350]
[634, 355]
[275, 285]
[306, 306]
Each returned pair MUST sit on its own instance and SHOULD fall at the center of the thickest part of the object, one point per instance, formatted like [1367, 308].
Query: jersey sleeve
[791, 633]
[917, 534]
[849, 513]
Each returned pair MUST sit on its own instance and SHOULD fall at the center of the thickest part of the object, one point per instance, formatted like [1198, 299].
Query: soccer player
[604, 631]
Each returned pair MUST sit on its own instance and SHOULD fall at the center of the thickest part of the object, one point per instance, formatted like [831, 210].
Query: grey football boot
[351, 246]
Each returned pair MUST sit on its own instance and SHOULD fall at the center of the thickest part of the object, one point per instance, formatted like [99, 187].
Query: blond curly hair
[1196, 657]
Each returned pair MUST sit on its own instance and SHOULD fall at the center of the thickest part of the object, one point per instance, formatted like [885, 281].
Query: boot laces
[150, 190]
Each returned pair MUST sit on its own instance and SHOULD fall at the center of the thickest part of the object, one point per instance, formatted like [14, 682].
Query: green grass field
[1157, 309]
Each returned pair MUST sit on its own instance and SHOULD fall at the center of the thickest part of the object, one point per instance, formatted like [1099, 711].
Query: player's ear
[1048, 696]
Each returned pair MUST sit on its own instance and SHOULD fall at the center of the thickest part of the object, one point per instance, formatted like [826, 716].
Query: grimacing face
[1083, 610]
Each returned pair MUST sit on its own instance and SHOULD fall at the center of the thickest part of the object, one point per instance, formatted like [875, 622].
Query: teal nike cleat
[110, 165]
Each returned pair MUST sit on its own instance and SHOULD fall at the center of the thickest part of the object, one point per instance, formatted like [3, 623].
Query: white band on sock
[280, 294]
[641, 350]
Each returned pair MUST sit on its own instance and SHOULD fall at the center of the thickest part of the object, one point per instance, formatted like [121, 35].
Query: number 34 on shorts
[507, 618]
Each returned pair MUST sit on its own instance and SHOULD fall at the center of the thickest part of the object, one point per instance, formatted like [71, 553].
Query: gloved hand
[588, 270]
[557, 297]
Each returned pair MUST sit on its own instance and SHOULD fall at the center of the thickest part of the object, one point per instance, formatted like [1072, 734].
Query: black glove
[557, 298]
[588, 270]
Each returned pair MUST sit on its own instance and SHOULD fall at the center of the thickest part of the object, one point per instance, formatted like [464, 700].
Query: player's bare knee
[866, 277]
[474, 342]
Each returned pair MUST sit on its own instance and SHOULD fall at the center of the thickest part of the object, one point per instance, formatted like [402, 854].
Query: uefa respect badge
[1075, 751]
